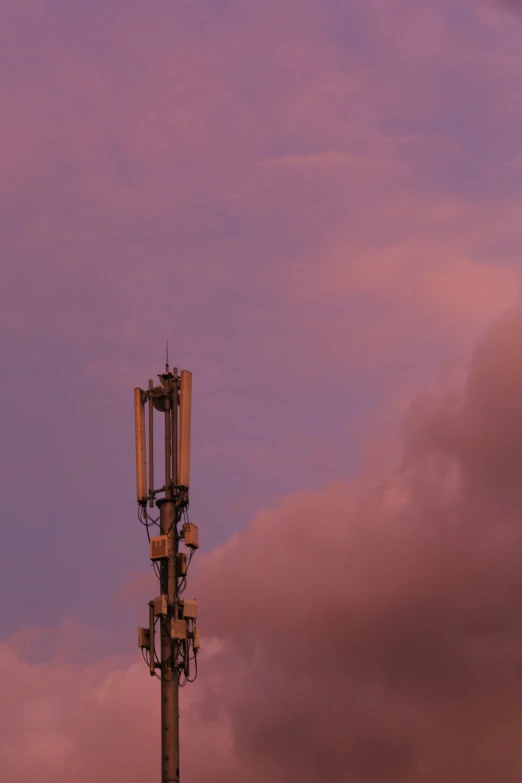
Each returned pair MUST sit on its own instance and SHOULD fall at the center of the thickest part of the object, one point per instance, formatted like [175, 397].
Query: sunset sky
[319, 204]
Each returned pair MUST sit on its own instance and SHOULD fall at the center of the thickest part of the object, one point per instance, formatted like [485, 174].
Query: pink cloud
[371, 628]
[317, 146]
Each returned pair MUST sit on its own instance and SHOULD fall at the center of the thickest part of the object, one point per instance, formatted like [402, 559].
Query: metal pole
[174, 653]
[169, 672]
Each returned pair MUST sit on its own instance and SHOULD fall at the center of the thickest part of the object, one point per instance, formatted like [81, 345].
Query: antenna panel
[185, 406]
[141, 458]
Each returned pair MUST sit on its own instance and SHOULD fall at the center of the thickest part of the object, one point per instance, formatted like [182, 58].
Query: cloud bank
[370, 632]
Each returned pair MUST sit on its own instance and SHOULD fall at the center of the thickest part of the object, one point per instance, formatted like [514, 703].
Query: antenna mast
[173, 616]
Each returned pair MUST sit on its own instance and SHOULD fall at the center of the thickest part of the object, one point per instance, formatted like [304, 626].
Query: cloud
[374, 629]
[515, 6]
[98, 720]
[262, 152]
[371, 630]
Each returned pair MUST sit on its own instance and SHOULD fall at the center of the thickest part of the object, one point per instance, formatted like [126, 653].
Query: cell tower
[174, 616]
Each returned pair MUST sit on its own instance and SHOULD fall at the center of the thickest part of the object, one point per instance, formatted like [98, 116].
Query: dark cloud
[370, 632]
[375, 630]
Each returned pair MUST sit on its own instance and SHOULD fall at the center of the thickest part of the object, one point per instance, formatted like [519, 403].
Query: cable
[146, 524]
[173, 523]
[178, 651]
[148, 521]
[152, 521]
[196, 670]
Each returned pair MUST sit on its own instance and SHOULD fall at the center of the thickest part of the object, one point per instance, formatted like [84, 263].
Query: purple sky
[318, 203]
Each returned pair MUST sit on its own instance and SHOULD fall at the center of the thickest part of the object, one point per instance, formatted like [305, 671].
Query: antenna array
[173, 616]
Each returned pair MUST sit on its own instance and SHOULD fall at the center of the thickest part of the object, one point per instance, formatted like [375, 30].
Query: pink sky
[319, 205]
